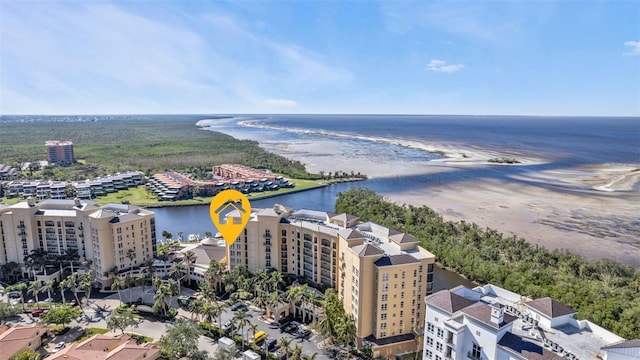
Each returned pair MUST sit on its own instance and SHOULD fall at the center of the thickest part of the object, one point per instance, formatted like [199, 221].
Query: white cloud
[635, 48]
[442, 66]
[281, 102]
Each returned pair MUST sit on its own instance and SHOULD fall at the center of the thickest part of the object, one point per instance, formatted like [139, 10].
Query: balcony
[450, 339]
[266, 236]
[267, 243]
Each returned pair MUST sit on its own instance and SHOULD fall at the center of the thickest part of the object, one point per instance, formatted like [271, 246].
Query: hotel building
[491, 323]
[59, 152]
[381, 275]
[101, 234]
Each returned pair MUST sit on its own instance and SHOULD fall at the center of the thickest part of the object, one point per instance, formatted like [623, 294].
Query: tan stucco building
[380, 274]
[101, 234]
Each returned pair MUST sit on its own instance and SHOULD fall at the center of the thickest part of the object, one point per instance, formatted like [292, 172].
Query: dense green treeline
[150, 144]
[604, 291]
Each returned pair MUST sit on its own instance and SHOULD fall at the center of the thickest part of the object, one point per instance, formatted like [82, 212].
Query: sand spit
[592, 211]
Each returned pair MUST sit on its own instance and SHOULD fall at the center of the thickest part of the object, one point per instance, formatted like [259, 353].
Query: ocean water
[563, 141]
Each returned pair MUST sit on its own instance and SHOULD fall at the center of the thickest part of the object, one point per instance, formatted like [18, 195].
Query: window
[429, 341]
[383, 307]
[383, 325]
[440, 333]
[385, 277]
[476, 351]
[430, 327]
[385, 297]
[383, 316]
[383, 334]
[428, 354]
[439, 346]
[385, 287]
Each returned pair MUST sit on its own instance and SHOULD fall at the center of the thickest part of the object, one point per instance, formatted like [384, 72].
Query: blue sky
[393, 57]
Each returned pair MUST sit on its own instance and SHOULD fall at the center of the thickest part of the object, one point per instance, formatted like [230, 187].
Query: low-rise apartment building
[381, 275]
[14, 339]
[102, 234]
[491, 323]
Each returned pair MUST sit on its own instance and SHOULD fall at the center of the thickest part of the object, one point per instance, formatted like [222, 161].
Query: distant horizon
[327, 114]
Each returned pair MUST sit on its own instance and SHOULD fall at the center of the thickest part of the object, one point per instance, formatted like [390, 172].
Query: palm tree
[242, 319]
[72, 255]
[214, 274]
[131, 255]
[253, 328]
[129, 282]
[72, 284]
[111, 273]
[209, 312]
[20, 288]
[180, 235]
[273, 299]
[309, 357]
[284, 344]
[275, 280]
[86, 283]
[189, 259]
[34, 289]
[176, 269]
[174, 289]
[160, 299]
[141, 280]
[296, 353]
[295, 295]
[220, 307]
[118, 284]
[149, 269]
[48, 286]
[345, 329]
[197, 308]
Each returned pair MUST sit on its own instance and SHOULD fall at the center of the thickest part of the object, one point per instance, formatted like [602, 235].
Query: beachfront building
[103, 235]
[491, 323]
[380, 275]
[59, 152]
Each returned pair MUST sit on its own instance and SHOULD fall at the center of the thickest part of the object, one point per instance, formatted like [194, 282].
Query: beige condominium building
[59, 152]
[380, 274]
[103, 235]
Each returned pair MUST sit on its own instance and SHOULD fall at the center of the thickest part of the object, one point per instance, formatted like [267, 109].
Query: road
[155, 329]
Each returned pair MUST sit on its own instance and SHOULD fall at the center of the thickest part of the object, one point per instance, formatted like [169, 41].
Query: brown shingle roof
[403, 238]
[623, 345]
[370, 250]
[349, 234]
[526, 349]
[482, 313]
[448, 301]
[396, 260]
[550, 307]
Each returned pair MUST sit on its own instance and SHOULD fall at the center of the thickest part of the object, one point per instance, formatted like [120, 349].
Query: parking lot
[308, 343]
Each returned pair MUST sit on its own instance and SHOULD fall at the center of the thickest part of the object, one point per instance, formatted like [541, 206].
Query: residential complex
[104, 235]
[106, 347]
[19, 338]
[88, 189]
[174, 186]
[59, 152]
[380, 274]
[490, 323]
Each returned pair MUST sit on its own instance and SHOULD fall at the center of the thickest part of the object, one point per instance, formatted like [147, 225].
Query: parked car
[269, 344]
[239, 306]
[14, 294]
[59, 346]
[37, 312]
[73, 302]
[290, 328]
[302, 333]
[48, 300]
[227, 326]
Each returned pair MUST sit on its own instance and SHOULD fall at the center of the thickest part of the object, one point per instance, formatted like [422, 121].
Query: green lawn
[141, 197]
[89, 332]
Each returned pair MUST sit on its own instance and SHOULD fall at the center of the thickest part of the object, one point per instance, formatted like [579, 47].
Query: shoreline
[589, 210]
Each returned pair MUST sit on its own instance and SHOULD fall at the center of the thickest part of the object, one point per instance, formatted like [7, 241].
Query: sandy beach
[592, 211]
